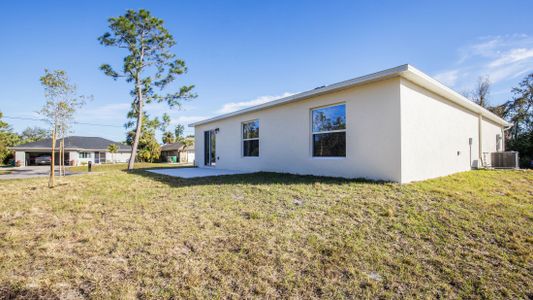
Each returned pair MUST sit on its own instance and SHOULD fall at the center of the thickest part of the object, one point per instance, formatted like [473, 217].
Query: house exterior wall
[74, 156]
[372, 136]
[86, 160]
[120, 157]
[435, 135]
[21, 157]
[190, 156]
[489, 132]
[186, 156]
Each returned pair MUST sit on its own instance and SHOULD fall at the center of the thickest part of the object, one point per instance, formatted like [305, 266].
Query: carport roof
[74, 143]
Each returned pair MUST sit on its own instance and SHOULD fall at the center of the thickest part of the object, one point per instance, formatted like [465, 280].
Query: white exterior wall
[20, 156]
[120, 157]
[74, 156]
[435, 134]
[372, 136]
[86, 160]
[190, 157]
[489, 132]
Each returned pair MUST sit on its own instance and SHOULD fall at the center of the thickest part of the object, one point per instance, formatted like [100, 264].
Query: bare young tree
[62, 101]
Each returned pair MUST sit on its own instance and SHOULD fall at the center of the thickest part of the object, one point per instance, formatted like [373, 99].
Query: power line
[43, 120]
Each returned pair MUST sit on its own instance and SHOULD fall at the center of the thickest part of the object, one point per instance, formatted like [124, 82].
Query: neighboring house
[177, 152]
[78, 150]
[397, 125]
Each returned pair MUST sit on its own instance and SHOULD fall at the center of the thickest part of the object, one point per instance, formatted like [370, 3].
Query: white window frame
[250, 139]
[311, 140]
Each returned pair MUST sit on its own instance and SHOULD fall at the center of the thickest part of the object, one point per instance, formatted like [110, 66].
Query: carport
[30, 157]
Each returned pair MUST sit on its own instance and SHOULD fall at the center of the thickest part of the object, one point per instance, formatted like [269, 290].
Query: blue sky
[241, 53]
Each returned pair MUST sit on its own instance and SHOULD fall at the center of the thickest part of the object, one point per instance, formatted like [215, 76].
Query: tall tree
[32, 134]
[149, 64]
[8, 138]
[62, 101]
[168, 136]
[520, 108]
[149, 149]
[178, 132]
[519, 111]
[480, 94]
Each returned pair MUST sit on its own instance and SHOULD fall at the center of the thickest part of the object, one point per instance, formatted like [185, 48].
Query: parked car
[43, 160]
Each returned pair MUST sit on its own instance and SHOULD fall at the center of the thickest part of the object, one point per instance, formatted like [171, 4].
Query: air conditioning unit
[504, 160]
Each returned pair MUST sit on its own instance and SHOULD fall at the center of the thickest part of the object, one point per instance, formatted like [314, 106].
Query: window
[329, 131]
[84, 155]
[250, 138]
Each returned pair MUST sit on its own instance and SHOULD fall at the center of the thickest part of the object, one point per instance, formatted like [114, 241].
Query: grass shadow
[13, 291]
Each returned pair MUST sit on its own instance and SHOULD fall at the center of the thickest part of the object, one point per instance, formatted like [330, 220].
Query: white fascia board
[424, 80]
[315, 92]
[407, 71]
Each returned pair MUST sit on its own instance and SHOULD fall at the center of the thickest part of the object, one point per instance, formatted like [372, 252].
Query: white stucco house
[78, 150]
[397, 125]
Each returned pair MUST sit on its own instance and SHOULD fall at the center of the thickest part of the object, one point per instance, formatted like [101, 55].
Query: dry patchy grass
[120, 235]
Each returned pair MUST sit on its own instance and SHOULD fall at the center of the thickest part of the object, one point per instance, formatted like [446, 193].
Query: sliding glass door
[209, 148]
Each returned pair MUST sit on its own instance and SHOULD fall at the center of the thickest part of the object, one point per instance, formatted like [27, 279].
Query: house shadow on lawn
[258, 178]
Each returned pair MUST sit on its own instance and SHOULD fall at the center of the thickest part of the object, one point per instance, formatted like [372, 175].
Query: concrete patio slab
[195, 172]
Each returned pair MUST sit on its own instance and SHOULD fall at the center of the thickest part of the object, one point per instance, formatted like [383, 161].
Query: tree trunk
[51, 181]
[59, 157]
[138, 129]
[62, 156]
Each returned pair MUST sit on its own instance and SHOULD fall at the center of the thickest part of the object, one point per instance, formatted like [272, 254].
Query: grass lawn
[114, 234]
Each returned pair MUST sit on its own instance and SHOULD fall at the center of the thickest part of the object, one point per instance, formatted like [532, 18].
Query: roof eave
[420, 78]
[407, 71]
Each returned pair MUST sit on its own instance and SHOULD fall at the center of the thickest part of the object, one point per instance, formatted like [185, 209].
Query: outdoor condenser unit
[504, 160]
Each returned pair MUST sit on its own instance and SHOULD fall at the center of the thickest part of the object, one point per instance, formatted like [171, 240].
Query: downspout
[504, 129]
[480, 141]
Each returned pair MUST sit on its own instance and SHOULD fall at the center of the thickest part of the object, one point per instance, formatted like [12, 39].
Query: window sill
[328, 157]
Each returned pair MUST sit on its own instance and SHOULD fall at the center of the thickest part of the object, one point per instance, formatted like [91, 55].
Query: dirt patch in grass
[120, 234]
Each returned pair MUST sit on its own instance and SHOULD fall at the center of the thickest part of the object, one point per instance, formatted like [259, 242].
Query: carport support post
[51, 182]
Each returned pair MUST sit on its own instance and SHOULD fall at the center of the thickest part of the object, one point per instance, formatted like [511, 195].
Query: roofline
[406, 71]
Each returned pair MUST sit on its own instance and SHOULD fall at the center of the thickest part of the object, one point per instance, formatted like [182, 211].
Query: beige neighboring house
[397, 125]
[78, 150]
[181, 152]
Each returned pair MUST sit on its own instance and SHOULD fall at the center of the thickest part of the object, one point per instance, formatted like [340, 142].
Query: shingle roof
[75, 143]
[172, 146]
[176, 146]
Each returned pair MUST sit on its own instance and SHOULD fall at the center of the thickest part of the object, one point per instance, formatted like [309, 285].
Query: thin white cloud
[448, 77]
[501, 58]
[186, 120]
[234, 106]
[512, 56]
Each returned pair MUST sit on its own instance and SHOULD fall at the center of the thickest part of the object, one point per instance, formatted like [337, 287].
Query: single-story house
[397, 125]
[181, 153]
[78, 150]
